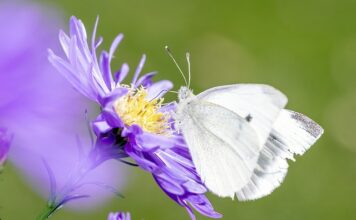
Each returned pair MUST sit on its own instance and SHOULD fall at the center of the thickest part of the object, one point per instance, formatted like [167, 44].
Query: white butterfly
[240, 137]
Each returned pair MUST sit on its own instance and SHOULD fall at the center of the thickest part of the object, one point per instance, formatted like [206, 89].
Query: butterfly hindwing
[292, 133]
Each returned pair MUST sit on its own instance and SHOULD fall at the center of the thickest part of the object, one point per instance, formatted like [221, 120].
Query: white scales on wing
[225, 147]
[240, 136]
[292, 133]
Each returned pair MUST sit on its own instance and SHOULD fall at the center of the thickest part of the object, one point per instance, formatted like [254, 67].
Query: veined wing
[223, 145]
[260, 104]
[292, 133]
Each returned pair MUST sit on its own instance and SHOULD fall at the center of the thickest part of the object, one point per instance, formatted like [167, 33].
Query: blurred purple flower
[5, 140]
[119, 216]
[41, 110]
[133, 117]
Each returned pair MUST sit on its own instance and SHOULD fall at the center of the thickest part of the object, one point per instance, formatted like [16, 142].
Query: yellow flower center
[134, 108]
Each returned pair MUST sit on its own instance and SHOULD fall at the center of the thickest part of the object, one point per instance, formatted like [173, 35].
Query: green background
[305, 48]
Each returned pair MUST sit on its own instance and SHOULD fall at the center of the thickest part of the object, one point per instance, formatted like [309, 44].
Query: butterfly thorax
[185, 96]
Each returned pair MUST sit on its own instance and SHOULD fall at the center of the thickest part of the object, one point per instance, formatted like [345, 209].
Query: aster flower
[119, 216]
[5, 140]
[133, 115]
[40, 108]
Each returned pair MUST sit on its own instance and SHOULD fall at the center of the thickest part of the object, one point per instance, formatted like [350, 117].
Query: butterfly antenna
[176, 63]
[188, 61]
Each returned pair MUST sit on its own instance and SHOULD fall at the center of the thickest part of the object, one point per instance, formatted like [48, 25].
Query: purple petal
[169, 185]
[65, 42]
[158, 89]
[113, 96]
[66, 70]
[149, 141]
[111, 117]
[119, 216]
[122, 73]
[93, 38]
[105, 68]
[145, 80]
[139, 69]
[99, 42]
[202, 205]
[169, 107]
[114, 45]
[100, 126]
[106, 61]
[77, 30]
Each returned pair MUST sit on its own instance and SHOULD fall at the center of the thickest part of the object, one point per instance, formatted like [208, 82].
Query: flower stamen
[135, 108]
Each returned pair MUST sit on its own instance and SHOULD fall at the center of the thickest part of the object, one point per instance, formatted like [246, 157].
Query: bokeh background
[305, 48]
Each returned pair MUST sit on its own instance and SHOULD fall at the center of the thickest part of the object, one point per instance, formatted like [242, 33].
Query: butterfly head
[184, 94]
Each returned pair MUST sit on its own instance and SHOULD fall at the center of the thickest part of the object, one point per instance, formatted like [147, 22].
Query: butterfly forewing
[223, 145]
[258, 103]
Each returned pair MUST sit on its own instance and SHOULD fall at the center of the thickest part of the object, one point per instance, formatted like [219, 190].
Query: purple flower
[5, 140]
[40, 108]
[169, 160]
[119, 216]
[133, 116]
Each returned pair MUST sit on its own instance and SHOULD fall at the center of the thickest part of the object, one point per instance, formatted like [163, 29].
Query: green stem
[47, 212]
